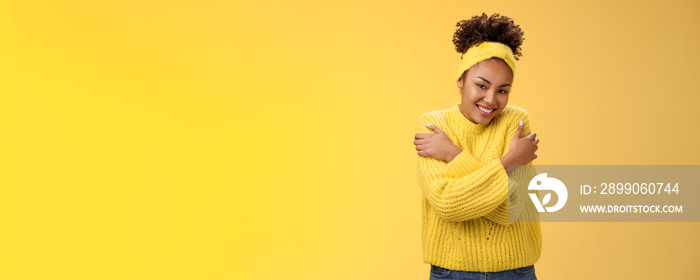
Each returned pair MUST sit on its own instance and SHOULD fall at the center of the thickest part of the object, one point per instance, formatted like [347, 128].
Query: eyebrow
[485, 80]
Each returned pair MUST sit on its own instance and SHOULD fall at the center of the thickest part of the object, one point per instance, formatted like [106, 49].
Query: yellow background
[273, 139]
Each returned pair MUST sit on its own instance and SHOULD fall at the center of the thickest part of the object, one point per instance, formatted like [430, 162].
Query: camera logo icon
[542, 183]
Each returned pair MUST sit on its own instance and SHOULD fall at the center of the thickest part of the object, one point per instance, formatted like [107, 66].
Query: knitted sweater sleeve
[462, 189]
[517, 181]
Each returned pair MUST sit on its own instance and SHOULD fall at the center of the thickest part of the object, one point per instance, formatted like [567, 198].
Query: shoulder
[436, 117]
[510, 117]
[432, 117]
[513, 112]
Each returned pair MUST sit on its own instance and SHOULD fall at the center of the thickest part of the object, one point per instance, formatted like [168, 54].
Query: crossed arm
[459, 186]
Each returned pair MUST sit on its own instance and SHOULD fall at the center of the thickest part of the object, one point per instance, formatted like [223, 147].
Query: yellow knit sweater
[465, 202]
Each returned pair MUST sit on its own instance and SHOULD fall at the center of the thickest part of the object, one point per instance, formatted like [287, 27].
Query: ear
[459, 82]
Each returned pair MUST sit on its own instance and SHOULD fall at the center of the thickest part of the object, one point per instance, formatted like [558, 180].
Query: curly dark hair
[495, 28]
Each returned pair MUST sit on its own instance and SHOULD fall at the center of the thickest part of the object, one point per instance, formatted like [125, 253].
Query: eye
[480, 86]
[503, 91]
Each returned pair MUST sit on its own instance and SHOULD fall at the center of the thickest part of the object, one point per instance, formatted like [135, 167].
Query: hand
[521, 150]
[437, 146]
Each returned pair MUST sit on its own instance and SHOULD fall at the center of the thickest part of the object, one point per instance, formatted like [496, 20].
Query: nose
[490, 98]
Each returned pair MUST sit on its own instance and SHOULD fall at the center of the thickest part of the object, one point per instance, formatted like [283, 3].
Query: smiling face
[485, 89]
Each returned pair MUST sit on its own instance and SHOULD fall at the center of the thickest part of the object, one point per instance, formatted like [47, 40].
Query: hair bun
[494, 28]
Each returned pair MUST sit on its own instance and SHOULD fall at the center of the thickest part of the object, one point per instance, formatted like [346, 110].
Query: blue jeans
[527, 272]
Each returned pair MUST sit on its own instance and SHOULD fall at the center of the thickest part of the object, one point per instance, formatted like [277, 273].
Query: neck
[462, 122]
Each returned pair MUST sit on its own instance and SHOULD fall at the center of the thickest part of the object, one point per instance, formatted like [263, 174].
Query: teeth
[484, 110]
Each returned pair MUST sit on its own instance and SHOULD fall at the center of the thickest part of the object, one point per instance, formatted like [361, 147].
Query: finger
[437, 129]
[532, 135]
[519, 131]
[418, 142]
[422, 135]
[433, 128]
[537, 140]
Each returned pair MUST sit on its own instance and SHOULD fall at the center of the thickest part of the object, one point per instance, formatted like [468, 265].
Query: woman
[466, 154]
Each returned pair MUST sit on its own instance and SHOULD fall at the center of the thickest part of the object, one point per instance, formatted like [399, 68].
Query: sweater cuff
[512, 186]
[499, 178]
[462, 164]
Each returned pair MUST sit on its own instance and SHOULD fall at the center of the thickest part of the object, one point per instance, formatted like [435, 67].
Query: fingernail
[521, 123]
[427, 125]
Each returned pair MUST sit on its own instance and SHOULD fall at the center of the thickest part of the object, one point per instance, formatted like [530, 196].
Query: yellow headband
[483, 51]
